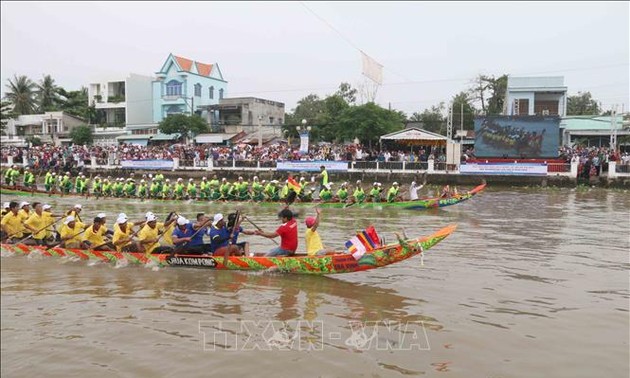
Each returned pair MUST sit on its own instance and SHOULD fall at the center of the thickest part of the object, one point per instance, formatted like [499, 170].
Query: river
[533, 283]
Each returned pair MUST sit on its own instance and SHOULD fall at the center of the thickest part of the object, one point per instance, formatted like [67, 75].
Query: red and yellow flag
[294, 185]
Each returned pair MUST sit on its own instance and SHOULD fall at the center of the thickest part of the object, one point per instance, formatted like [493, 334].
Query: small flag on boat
[363, 242]
[294, 185]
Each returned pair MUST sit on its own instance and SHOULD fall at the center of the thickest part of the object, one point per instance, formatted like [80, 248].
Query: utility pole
[259, 131]
[192, 105]
[461, 123]
[613, 133]
[449, 122]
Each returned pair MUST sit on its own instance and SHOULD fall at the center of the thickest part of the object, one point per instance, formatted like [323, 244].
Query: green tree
[368, 122]
[6, 113]
[490, 91]
[311, 108]
[432, 119]
[47, 95]
[82, 135]
[76, 104]
[462, 101]
[347, 93]
[21, 94]
[185, 124]
[582, 104]
[33, 140]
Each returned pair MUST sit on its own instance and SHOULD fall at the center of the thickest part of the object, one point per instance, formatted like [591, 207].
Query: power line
[346, 38]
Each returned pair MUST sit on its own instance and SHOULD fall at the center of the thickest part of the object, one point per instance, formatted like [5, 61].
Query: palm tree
[21, 93]
[47, 94]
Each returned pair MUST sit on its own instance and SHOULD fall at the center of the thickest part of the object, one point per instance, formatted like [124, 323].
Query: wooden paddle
[70, 238]
[38, 231]
[258, 228]
[179, 248]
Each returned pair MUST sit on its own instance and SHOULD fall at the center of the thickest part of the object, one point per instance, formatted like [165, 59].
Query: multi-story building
[258, 118]
[123, 102]
[186, 86]
[543, 96]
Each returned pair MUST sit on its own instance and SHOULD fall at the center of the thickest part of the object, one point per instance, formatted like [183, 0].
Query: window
[221, 93]
[173, 109]
[198, 90]
[173, 88]
[211, 92]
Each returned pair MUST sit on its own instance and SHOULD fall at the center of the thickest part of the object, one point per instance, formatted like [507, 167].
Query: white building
[123, 102]
[536, 96]
[50, 127]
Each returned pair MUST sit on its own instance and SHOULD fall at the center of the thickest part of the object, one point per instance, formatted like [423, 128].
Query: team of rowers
[175, 235]
[157, 187]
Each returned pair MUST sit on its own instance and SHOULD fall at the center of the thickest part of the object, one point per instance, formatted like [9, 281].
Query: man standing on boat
[322, 177]
[413, 191]
[288, 232]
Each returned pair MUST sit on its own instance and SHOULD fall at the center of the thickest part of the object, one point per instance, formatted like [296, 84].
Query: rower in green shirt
[191, 189]
[166, 189]
[179, 189]
[375, 193]
[204, 189]
[392, 193]
[325, 195]
[342, 193]
[142, 189]
[130, 191]
[49, 181]
[28, 179]
[358, 194]
[257, 190]
[154, 189]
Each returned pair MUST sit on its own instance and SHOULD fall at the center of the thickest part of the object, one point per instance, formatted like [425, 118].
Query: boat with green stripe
[423, 203]
[335, 263]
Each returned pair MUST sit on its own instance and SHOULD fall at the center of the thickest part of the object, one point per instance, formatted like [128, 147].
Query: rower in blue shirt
[220, 236]
[188, 236]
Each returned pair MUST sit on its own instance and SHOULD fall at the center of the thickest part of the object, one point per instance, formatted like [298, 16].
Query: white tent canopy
[415, 136]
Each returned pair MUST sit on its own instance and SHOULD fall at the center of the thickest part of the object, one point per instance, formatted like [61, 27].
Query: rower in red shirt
[288, 233]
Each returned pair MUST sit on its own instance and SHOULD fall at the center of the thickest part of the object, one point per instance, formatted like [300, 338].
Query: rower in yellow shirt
[167, 231]
[12, 227]
[71, 233]
[37, 223]
[94, 236]
[149, 237]
[25, 210]
[123, 235]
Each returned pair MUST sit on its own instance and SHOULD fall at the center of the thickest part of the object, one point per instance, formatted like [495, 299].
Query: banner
[304, 142]
[517, 169]
[147, 164]
[312, 166]
[372, 69]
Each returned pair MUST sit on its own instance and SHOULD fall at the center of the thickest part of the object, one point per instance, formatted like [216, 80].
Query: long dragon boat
[419, 204]
[329, 264]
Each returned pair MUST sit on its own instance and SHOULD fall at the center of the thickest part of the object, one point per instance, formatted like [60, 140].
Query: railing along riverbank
[569, 170]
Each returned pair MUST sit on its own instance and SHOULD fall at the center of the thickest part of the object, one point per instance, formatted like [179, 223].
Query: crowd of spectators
[48, 156]
[593, 160]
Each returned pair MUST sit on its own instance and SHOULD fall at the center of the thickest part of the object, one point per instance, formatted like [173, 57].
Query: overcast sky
[283, 51]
